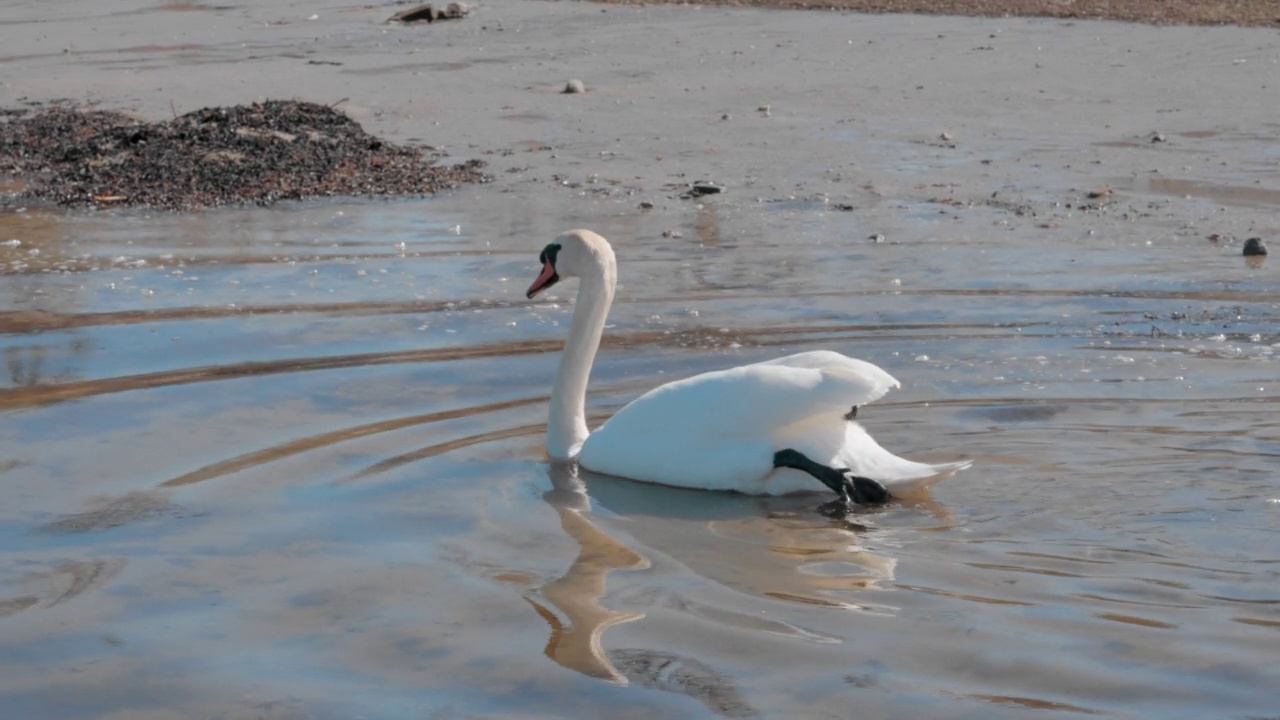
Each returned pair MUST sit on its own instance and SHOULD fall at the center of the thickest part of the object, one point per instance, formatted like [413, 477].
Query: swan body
[720, 430]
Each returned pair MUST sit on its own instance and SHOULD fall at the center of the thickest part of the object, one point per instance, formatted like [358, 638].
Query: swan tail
[900, 476]
[906, 486]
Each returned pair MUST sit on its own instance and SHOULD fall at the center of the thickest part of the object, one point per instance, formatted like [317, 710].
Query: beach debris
[698, 189]
[1254, 247]
[574, 87]
[674, 234]
[765, 110]
[260, 153]
[1157, 137]
[428, 13]
[422, 13]
[876, 238]
[1099, 192]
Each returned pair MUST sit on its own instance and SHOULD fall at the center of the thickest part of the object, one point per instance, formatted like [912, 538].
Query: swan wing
[869, 382]
[752, 400]
[717, 430]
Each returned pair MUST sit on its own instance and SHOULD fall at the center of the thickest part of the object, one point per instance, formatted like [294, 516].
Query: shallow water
[287, 463]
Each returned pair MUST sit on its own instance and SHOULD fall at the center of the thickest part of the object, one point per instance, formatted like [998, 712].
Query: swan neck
[567, 427]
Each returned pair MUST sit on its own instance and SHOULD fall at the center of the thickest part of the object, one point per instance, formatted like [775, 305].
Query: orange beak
[546, 279]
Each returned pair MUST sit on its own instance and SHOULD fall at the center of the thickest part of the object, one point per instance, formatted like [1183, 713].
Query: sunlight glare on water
[289, 462]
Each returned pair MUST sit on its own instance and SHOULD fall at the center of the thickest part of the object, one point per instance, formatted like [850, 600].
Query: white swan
[767, 429]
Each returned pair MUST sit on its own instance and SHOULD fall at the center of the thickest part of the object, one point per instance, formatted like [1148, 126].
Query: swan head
[577, 253]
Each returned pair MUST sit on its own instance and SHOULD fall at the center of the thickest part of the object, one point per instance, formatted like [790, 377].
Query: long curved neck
[567, 426]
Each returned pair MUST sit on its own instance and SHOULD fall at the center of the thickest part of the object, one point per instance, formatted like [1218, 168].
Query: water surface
[287, 463]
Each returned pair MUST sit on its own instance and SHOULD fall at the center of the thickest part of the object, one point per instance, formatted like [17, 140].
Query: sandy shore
[855, 110]
[1161, 12]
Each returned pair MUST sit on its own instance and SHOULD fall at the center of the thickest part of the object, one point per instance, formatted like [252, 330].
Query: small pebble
[574, 87]
[1253, 247]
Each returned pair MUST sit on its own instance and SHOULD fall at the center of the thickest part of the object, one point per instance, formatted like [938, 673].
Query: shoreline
[1239, 13]
[894, 118]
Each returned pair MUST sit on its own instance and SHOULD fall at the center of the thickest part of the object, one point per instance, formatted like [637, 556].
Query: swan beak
[544, 281]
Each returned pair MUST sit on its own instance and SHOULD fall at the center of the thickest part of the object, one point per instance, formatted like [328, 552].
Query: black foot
[852, 413]
[865, 491]
[851, 489]
[837, 508]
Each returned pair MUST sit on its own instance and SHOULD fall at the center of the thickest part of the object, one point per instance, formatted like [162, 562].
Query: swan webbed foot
[853, 413]
[864, 491]
[837, 508]
[851, 489]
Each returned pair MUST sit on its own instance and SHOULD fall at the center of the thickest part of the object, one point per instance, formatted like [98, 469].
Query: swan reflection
[753, 550]
[575, 642]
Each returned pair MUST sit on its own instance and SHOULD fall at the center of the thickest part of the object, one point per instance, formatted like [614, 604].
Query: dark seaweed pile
[260, 153]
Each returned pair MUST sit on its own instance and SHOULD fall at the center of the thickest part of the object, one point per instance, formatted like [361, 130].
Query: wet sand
[286, 463]
[1159, 12]
[860, 108]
